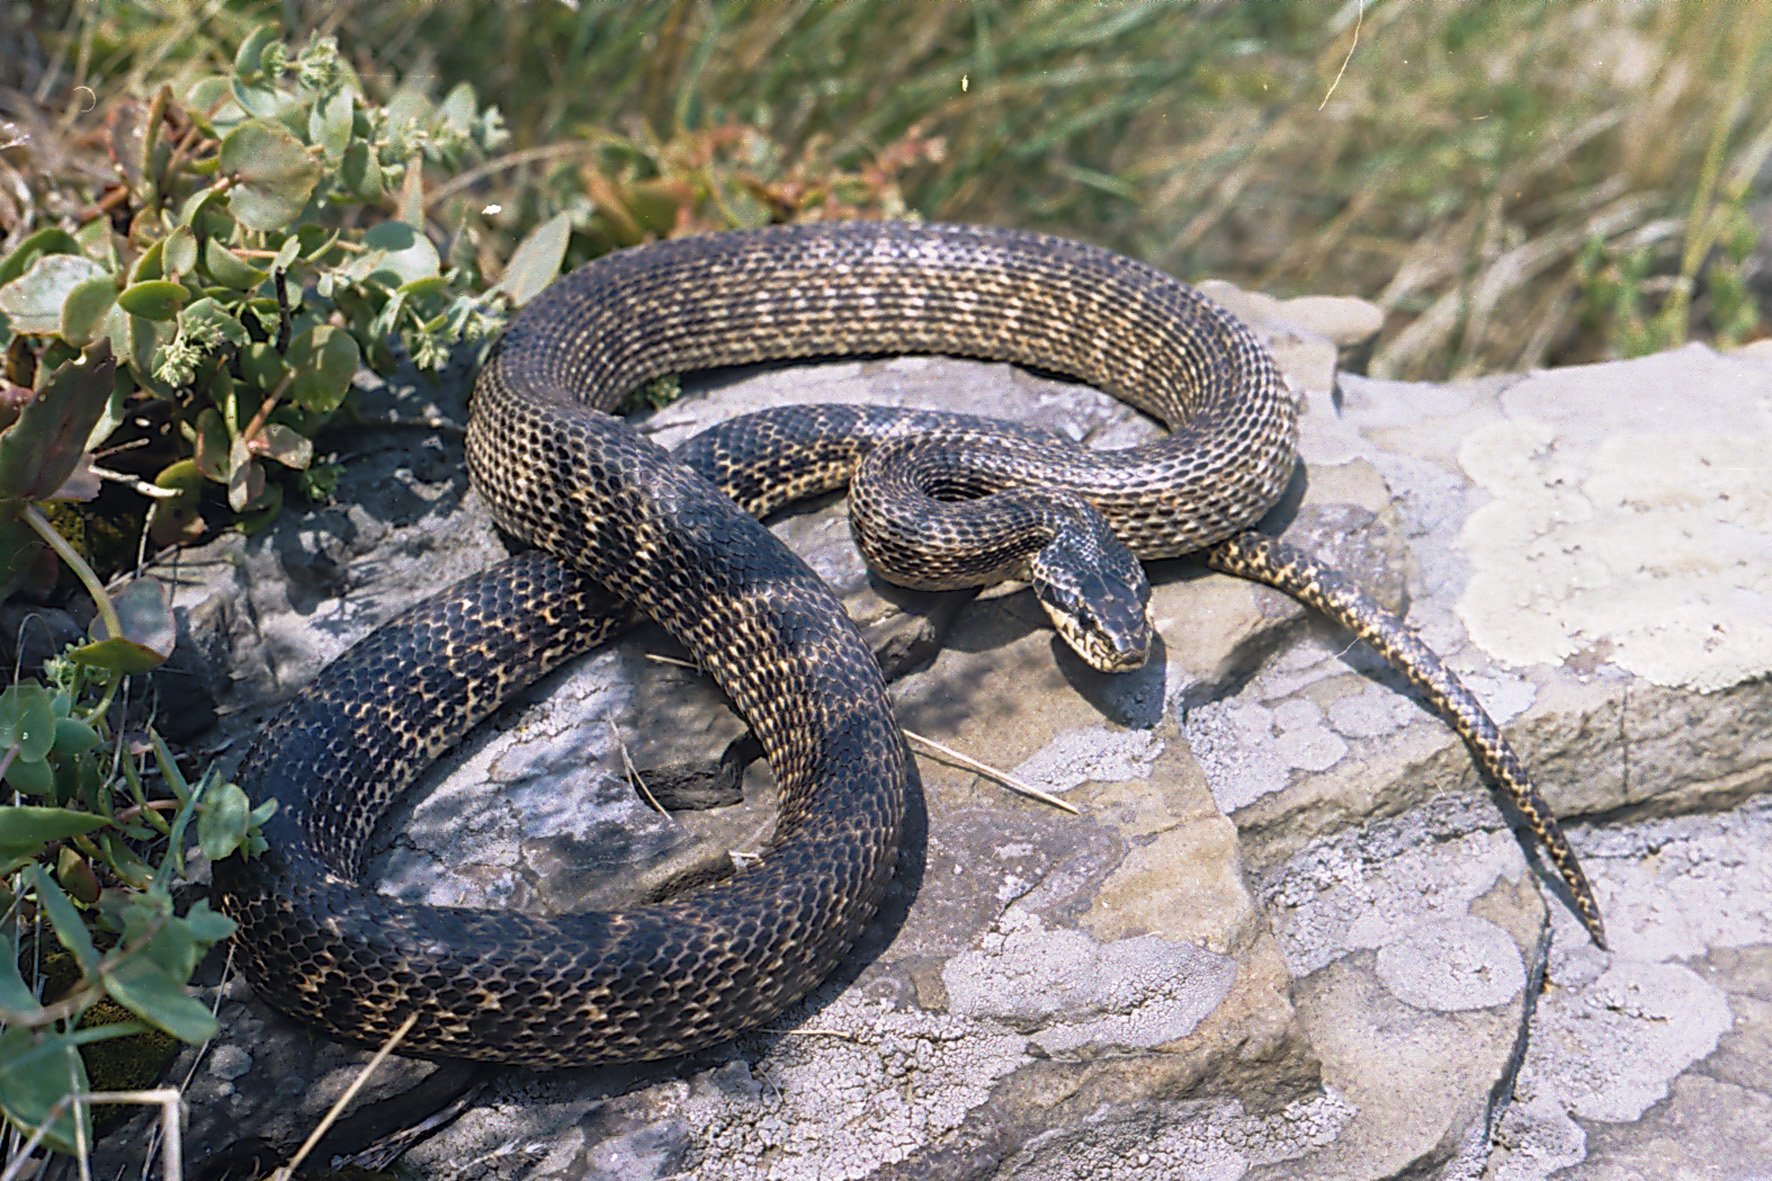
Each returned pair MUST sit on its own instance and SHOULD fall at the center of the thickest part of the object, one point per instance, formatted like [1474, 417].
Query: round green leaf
[287, 253]
[285, 445]
[33, 301]
[154, 299]
[247, 57]
[222, 824]
[151, 264]
[51, 240]
[196, 203]
[246, 477]
[178, 518]
[44, 445]
[325, 359]
[179, 254]
[76, 876]
[119, 656]
[73, 736]
[145, 989]
[273, 174]
[135, 340]
[86, 307]
[229, 269]
[67, 778]
[398, 254]
[144, 608]
[206, 926]
[263, 509]
[30, 779]
[27, 720]
[149, 631]
[37, 1071]
[210, 452]
[537, 260]
[329, 124]
[362, 173]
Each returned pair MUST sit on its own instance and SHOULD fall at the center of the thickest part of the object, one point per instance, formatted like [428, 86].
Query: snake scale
[618, 523]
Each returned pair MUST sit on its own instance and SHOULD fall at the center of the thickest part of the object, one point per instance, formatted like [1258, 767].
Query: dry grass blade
[1019, 787]
[287, 1172]
[1359, 18]
[633, 772]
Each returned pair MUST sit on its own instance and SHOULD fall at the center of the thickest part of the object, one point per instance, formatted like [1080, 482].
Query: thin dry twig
[287, 1172]
[1359, 16]
[633, 772]
[1009, 781]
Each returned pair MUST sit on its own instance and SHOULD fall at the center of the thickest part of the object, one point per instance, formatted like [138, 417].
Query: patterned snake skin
[640, 529]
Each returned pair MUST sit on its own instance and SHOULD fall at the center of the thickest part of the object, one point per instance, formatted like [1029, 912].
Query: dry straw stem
[633, 772]
[1018, 786]
[287, 1172]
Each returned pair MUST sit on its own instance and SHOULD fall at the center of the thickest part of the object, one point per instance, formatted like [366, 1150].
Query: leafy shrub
[249, 257]
[117, 847]
[265, 236]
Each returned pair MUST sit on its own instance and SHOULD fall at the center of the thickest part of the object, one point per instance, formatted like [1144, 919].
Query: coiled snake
[637, 528]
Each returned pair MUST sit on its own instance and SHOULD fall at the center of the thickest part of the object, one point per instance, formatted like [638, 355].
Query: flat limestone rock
[1290, 934]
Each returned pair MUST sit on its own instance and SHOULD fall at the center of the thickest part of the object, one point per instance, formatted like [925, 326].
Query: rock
[1342, 319]
[31, 633]
[1291, 933]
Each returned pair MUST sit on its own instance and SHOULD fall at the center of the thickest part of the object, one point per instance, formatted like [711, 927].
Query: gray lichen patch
[1453, 964]
[1093, 754]
[1077, 994]
[864, 1086]
[1188, 1140]
[1622, 1053]
[1350, 893]
[1627, 524]
[1249, 750]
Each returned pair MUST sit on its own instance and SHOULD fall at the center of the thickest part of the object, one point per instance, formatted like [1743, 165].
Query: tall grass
[1516, 183]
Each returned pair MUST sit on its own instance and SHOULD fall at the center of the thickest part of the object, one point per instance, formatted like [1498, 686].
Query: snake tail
[1274, 563]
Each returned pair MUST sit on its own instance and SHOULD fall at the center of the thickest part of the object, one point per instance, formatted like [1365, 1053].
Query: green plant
[228, 286]
[266, 235]
[83, 803]
[1702, 284]
[624, 190]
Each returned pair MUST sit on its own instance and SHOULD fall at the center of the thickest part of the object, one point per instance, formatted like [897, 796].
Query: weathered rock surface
[1291, 934]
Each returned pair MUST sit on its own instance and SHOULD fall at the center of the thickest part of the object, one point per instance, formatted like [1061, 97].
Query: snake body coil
[638, 528]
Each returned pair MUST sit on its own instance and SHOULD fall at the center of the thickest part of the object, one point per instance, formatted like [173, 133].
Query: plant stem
[68, 554]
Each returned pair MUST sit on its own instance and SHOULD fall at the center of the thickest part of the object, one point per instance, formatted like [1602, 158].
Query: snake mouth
[1122, 660]
[1107, 646]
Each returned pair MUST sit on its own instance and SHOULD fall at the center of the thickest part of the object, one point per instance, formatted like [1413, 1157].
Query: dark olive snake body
[639, 528]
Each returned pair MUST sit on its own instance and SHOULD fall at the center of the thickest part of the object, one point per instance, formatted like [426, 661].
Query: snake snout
[1097, 596]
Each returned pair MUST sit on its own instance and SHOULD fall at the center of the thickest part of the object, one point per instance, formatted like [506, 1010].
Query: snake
[618, 525]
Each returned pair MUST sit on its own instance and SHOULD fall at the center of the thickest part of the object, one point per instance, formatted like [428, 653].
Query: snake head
[1097, 595]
